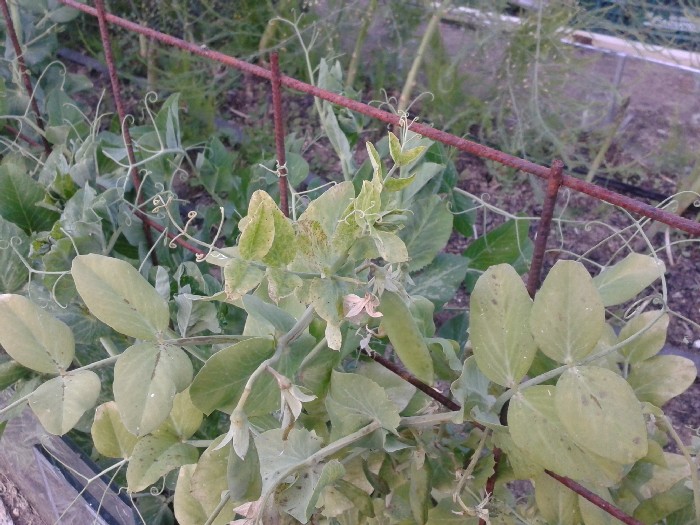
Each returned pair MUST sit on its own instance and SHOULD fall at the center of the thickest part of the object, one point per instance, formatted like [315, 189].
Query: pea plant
[290, 416]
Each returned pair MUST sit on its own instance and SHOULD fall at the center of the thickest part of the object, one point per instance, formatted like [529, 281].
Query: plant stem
[16, 403]
[413, 72]
[99, 364]
[224, 499]
[206, 340]
[505, 396]
[359, 44]
[296, 330]
[693, 467]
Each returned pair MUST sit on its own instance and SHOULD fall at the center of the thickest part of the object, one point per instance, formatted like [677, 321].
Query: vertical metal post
[121, 113]
[553, 185]
[279, 132]
[24, 72]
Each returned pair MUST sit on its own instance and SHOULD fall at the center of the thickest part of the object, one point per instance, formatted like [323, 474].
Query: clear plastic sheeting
[51, 474]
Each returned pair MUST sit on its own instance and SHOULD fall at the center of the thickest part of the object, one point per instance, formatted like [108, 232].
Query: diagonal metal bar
[24, 73]
[121, 113]
[279, 132]
[550, 200]
[461, 144]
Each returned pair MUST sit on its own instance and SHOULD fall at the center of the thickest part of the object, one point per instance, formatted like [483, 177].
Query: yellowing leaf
[258, 227]
[541, 436]
[117, 294]
[33, 337]
[499, 330]
[661, 378]
[146, 378]
[109, 435]
[240, 277]
[61, 402]
[567, 316]
[650, 342]
[601, 413]
[623, 281]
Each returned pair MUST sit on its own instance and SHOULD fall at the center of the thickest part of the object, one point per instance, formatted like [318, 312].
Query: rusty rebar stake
[24, 73]
[121, 113]
[279, 131]
[550, 200]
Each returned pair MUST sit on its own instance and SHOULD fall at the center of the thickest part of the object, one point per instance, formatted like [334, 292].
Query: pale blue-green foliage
[262, 368]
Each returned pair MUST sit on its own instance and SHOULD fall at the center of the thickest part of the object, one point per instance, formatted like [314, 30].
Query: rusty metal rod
[461, 144]
[24, 73]
[550, 200]
[279, 132]
[121, 113]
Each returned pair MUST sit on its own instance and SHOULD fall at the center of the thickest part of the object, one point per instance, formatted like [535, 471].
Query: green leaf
[297, 169]
[21, 196]
[507, 244]
[403, 158]
[398, 184]
[540, 435]
[109, 435]
[557, 503]
[189, 510]
[34, 338]
[281, 283]
[278, 455]
[326, 296]
[258, 227]
[626, 279]
[14, 273]
[154, 456]
[498, 326]
[447, 512]
[219, 384]
[594, 515]
[601, 413]
[209, 481]
[353, 401]
[650, 342]
[567, 317]
[280, 320]
[328, 209]
[168, 122]
[61, 402]
[440, 280]
[117, 294]
[427, 231]
[390, 246]
[184, 418]
[399, 391]
[11, 372]
[243, 475]
[405, 337]
[472, 388]
[661, 378]
[240, 277]
[146, 378]
[659, 506]
[215, 167]
[300, 498]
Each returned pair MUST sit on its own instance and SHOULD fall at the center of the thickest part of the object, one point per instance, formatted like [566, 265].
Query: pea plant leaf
[60, 402]
[661, 378]
[543, 439]
[600, 412]
[567, 316]
[353, 401]
[146, 378]
[556, 503]
[440, 280]
[240, 277]
[21, 196]
[109, 435]
[405, 336]
[209, 481]
[220, 382]
[625, 280]
[117, 294]
[155, 456]
[498, 326]
[266, 234]
[650, 342]
[33, 337]
[14, 274]
[184, 418]
[188, 509]
[300, 498]
[427, 231]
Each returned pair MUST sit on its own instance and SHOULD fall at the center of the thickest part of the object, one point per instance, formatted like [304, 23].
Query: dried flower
[356, 307]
